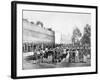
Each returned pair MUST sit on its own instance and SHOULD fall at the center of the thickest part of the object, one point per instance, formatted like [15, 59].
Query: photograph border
[14, 38]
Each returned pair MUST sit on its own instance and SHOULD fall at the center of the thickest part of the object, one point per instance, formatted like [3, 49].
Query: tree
[39, 23]
[32, 22]
[86, 38]
[76, 36]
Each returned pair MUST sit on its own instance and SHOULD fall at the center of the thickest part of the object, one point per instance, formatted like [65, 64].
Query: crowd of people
[55, 55]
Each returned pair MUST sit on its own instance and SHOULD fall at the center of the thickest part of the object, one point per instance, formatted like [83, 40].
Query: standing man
[67, 57]
[76, 55]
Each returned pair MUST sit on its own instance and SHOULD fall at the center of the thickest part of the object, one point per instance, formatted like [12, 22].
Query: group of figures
[56, 55]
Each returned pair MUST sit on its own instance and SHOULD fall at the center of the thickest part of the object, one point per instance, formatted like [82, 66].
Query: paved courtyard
[31, 65]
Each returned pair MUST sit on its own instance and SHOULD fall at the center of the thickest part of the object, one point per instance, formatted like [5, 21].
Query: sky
[59, 21]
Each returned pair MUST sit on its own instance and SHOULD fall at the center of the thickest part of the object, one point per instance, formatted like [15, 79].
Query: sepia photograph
[53, 39]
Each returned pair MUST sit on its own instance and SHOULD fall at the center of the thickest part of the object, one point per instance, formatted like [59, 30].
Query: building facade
[36, 35]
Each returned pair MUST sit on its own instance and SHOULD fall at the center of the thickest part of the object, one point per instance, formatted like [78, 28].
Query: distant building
[61, 38]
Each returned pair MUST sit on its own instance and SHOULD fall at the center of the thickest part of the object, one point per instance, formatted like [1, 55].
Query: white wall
[57, 37]
[5, 40]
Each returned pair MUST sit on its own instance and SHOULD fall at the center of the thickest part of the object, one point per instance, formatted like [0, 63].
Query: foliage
[39, 23]
[76, 36]
[86, 38]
